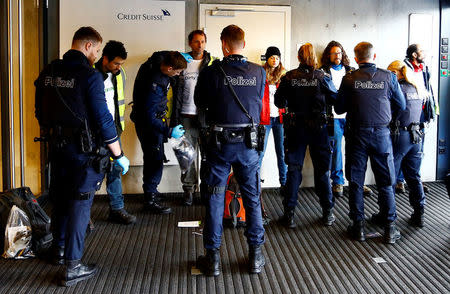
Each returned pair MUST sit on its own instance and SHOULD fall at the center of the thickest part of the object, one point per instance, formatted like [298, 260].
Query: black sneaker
[121, 216]
[77, 272]
[328, 218]
[391, 233]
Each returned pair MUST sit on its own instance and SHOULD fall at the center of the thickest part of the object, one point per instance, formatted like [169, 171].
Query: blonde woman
[407, 144]
[305, 91]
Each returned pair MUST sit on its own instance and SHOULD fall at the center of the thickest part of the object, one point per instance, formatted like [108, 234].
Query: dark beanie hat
[272, 50]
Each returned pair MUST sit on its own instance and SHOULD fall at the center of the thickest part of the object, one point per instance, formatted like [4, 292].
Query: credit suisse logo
[143, 16]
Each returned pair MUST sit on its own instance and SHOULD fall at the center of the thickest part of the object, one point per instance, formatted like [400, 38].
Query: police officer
[232, 144]
[368, 95]
[149, 111]
[407, 142]
[110, 66]
[305, 92]
[71, 109]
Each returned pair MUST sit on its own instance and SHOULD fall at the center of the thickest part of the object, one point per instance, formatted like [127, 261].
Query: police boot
[416, 219]
[188, 198]
[288, 218]
[152, 205]
[208, 264]
[357, 231]
[256, 259]
[77, 272]
[121, 216]
[56, 255]
[328, 217]
[391, 233]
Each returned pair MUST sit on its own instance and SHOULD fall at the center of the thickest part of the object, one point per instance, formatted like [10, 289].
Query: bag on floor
[17, 242]
[234, 213]
[24, 199]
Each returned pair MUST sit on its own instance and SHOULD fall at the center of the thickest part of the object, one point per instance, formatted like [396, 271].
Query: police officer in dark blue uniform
[149, 115]
[305, 92]
[232, 142]
[71, 109]
[407, 140]
[368, 95]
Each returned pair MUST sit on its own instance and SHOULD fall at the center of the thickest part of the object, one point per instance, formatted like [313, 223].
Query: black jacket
[150, 98]
[175, 118]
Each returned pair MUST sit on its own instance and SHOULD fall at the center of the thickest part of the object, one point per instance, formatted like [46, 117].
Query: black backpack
[24, 199]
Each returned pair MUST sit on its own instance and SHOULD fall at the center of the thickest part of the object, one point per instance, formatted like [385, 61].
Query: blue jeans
[278, 136]
[114, 186]
[375, 143]
[337, 173]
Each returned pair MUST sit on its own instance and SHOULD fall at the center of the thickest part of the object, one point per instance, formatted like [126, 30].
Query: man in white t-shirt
[336, 63]
[184, 110]
[110, 66]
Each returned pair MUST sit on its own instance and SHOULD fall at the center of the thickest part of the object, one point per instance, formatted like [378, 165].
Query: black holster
[415, 133]
[330, 121]
[100, 160]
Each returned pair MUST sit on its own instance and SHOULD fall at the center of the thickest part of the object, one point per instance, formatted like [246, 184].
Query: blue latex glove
[124, 163]
[187, 56]
[177, 132]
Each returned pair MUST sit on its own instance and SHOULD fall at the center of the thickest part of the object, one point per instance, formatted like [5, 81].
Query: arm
[340, 106]
[281, 93]
[398, 101]
[155, 96]
[330, 89]
[96, 103]
[201, 89]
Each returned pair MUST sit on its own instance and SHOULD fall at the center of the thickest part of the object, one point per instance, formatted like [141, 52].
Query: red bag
[234, 213]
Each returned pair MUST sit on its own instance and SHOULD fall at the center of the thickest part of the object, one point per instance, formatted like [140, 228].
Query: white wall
[382, 22]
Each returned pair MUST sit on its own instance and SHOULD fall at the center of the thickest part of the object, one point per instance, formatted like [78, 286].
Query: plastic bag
[184, 152]
[18, 235]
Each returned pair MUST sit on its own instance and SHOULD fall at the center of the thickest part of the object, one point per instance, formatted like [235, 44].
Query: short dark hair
[114, 49]
[325, 60]
[411, 49]
[363, 51]
[175, 60]
[87, 34]
[233, 36]
[196, 32]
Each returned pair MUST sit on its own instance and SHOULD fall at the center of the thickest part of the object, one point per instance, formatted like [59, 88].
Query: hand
[177, 132]
[124, 163]
[187, 56]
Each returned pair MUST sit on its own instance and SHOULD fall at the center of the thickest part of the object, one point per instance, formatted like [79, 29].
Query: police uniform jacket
[212, 91]
[367, 95]
[414, 104]
[150, 99]
[306, 92]
[82, 97]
